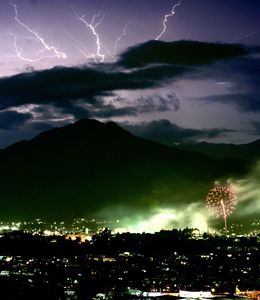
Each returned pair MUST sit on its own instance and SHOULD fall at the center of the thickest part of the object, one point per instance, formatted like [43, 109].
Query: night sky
[52, 72]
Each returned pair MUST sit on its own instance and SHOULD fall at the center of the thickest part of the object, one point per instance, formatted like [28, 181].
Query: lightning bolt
[123, 34]
[19, 51]
[80, 46]
[36, 37]
[98, 57]
[165, 20]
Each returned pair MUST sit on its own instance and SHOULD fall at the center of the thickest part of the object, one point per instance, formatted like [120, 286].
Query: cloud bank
[67, 94]
[148, 65]
[166, 132]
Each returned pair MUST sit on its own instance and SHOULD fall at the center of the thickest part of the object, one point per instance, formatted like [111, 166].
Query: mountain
[82, 168]
[250, 151]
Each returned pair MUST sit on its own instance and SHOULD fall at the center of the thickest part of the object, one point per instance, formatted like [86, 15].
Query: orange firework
[221, 200]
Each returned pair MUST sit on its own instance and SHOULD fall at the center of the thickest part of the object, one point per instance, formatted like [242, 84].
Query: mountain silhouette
[250, 151]
[82, 168]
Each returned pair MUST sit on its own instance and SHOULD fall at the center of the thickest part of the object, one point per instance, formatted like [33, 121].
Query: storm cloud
[167, 132]
[179, 53]
[12, 119]
[238, 81]
[63, 85]
[256, 125]
[242, 102]
[118, 106]
[66, 94]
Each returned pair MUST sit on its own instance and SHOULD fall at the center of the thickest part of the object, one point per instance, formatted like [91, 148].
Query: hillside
[250, 151]
[79, 169]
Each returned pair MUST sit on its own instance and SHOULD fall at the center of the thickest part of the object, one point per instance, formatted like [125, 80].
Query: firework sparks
[221, 200]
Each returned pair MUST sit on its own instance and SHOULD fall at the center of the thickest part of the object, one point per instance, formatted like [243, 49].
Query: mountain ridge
[83, 168]
[248, 151]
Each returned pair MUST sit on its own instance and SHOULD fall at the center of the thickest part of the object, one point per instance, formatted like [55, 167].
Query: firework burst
[221, 200]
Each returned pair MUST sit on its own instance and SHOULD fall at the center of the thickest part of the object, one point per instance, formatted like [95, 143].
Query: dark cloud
[166, 132]
[110, 111]
[78, 112]
[179, 53]
[12, 119]
[238, 81]
[41, 126]
[243, 102]
[248, 67]
[64, 94]
[256, 125]
[62, 85]
[159, 103]
[48, 116]
[101, 109]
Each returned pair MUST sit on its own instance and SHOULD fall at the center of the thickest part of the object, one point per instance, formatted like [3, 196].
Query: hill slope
[81, 168]
[250, 151]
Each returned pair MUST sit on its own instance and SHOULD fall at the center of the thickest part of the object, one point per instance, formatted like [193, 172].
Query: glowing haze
[192, 216]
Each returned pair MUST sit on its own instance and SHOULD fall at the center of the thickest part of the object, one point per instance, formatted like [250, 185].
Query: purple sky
[223, 95]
